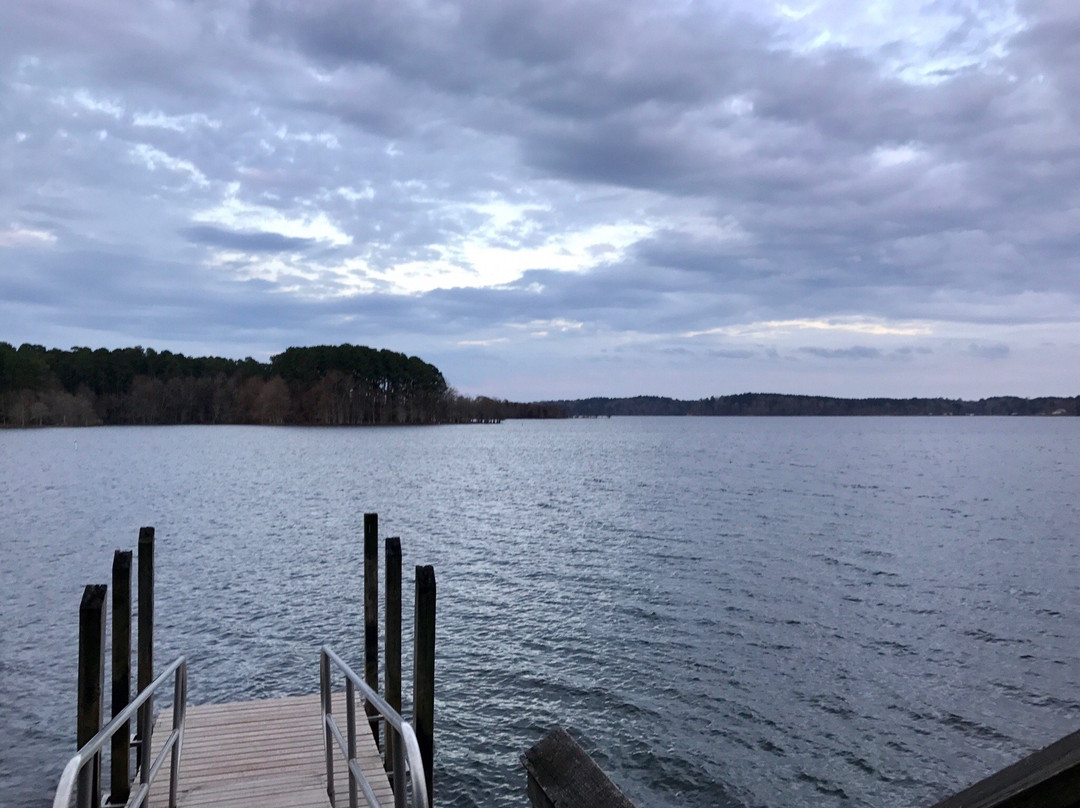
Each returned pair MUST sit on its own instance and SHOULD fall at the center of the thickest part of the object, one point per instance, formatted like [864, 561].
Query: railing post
[328, 736]
[371, 614]
[91, 688]
[424, 672]
[120, 757]
[393, 659]
[350, 721]
[146, 608]
[178, 719]
[144, 727]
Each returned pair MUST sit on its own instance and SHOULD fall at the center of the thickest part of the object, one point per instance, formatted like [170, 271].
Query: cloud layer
[560, 198]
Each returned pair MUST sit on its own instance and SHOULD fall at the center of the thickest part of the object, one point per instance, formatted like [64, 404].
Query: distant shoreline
[778, 404]
[354, 385]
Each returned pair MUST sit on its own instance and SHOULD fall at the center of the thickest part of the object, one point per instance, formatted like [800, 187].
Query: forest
[322, 385]
[778, 404]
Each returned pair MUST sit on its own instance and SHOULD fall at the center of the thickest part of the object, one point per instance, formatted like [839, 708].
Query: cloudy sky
[556, 198]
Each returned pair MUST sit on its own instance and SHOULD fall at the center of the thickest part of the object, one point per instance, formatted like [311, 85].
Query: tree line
[765, 404]
[334, 385]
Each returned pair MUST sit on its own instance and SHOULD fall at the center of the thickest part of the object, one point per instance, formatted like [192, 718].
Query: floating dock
[267, 753]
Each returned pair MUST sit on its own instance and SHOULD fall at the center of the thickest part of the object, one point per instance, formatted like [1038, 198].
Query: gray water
[725, 612]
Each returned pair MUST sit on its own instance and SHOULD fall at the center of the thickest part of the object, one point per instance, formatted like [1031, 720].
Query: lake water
[726, 612]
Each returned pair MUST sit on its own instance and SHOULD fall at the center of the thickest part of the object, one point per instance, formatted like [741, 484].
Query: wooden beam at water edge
[1049, 778]
[562, 775]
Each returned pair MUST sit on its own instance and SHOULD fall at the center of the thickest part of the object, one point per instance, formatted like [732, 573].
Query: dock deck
[267, 753]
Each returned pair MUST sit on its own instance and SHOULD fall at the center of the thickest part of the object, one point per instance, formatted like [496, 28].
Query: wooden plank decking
[266, 753]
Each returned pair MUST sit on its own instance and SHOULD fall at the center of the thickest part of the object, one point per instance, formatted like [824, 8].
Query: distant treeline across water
[339, 385]
[778, 404]
[325, 385]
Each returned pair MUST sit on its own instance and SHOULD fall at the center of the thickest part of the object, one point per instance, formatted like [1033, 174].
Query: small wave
[823, 786]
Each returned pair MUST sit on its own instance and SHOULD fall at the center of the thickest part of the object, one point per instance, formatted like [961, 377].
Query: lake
[725, 612]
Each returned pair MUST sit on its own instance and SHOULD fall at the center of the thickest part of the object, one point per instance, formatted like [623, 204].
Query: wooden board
[562, 775]
[266, 753]
[1049, 778]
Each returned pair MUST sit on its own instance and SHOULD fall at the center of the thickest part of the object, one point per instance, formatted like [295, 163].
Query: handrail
[76, 769]
[408, 749]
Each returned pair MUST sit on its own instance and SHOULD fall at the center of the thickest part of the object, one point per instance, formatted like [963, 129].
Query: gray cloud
[997, 350]
[855, 352]
[245, 241]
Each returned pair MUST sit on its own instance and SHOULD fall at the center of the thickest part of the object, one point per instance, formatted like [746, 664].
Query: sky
[556, 199]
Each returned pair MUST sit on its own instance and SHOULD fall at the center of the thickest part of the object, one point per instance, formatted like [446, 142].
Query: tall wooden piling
[120, 771]
[91, 687]
[393, 640]
[424, 671]
[371, 614]
[146, 608]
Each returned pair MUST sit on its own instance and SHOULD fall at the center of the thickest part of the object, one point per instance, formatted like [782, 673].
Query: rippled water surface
[726, 612]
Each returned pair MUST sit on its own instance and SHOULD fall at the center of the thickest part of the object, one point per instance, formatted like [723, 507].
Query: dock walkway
[267, 753]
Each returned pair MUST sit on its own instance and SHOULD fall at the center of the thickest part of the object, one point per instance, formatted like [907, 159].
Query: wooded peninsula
[322, 385]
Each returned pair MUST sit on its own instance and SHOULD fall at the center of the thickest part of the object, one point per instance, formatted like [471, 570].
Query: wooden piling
[393, 642]
[371, 614]
[146, 608]
[120, 771]
[424, 672]
[91, 687]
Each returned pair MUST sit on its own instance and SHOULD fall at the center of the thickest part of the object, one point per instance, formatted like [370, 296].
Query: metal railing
[403, 750]
[79, 770]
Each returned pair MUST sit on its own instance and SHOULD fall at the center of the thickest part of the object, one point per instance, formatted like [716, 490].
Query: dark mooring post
[424, 672]
[120, 775]
[146, 608]
[393, 646]
[371, 614]
[91, 687]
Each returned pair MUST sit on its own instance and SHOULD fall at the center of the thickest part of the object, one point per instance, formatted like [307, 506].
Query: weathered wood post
[371, 615]
[424, 672]
[145, 666]
[91, 688]
[120, 773]
[146, 608]
[393, 650]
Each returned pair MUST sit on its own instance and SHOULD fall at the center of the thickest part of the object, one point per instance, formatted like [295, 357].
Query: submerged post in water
[371, 614]
[393, 640]
[146, 608]
[120, 775]
[424, 672]
[91, 688]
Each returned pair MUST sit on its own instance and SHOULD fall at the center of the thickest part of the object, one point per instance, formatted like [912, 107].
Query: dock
[267, 753]
[349, 743]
